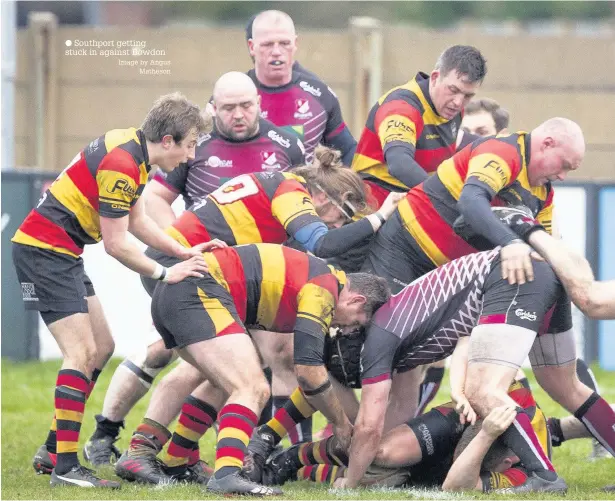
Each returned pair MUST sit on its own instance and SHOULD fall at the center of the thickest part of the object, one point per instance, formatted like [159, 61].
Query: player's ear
[358, 299]
[167, 141]
[548, 142]
[251, 47]
[435, 74]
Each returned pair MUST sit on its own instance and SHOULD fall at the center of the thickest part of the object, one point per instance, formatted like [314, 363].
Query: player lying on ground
[424, 323]
[282, 290]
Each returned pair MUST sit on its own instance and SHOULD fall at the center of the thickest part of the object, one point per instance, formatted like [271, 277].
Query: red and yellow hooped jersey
[104, 179]
[251, 208]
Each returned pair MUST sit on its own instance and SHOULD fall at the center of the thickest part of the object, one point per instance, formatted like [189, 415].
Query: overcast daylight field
[27, 399]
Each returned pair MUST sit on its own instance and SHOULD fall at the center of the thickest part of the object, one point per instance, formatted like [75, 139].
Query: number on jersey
[237, 188]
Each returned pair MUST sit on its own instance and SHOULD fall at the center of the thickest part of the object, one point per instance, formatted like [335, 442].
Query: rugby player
[280, 289]
[291, 97]
[98, 197]
[516, 168]
[413, 128]
[240, 143]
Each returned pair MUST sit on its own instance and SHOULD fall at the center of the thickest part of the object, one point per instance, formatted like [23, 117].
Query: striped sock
[149, 436]
[302, 431]
[321, 474]
[51, 441]
[599, 419]
[321, 452]
[285, 419]
[195, 419]
[71, 389]
[236, 425]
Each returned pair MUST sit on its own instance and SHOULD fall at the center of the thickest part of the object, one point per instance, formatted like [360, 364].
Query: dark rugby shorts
[438, 433]
[534, 305]
[51, 281]
[194, 310]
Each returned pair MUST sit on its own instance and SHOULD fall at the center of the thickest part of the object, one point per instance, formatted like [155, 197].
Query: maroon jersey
[305, 106]
[218, 159]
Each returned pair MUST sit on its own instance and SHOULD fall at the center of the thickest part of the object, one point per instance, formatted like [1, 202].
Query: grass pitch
[27, 409]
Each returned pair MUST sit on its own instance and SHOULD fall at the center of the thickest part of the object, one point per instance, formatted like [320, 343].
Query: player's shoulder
[313, 85]
[403, 93]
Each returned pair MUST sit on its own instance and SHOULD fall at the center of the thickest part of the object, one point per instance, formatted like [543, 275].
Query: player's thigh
[100, 328]
[276, 349]
[512, 315]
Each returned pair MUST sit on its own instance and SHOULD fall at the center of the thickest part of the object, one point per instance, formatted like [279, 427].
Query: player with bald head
[241, 142]
[292, 97]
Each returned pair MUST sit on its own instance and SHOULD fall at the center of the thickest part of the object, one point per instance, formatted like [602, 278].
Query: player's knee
[105, 351]
[261, 391]
[383, 454]
[157, 357]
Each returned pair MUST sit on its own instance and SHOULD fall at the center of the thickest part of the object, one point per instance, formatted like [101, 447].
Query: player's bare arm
[368, 430]
[457, 376]
[465, 471]
[595, 299]
[316, 386]
[158, 201]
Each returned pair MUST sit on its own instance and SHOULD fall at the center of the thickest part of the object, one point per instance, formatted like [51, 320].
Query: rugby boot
[261, 445]
[281, 467]
[609, 488]
[534, 483]
[101, 451]
[43, 461]
[236, 483]
[143, 469]
[80, 476]
[197, 473]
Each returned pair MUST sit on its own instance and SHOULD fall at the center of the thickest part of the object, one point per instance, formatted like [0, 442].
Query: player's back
[251, 208]
[268, 282]
[104, 179]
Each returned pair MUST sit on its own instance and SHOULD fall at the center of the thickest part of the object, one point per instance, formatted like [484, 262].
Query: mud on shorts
[194, 310]
[51, 282]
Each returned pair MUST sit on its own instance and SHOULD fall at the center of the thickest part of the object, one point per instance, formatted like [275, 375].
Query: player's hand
[197, 250]
[517, 263]
[343, 435]
[498, 420]
[390, 204]
[466, 413]
[193, 267]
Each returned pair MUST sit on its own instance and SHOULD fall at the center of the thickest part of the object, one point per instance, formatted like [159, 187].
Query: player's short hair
[375, 289]
[174, 115]
[494, 456]
[328, 174]
[500, 115]
[465, 60]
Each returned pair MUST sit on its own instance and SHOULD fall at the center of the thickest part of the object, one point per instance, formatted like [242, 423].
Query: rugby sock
[106, 428]
[586, 376]
[429, 387]
[149, 437]
[195, 419]
[302, 431]
[322, 473]
[236, 426]
[599, 419]
[525, 383]
[51, 441]
[321, 452]
[71, 389]
[286, 418]
[555, 432]
[522, 440]
[267, 412]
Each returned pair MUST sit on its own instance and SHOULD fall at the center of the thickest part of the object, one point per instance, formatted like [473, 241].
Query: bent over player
[97, 197]
[280, 289]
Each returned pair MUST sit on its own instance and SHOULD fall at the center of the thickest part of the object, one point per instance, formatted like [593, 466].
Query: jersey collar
[143, 144]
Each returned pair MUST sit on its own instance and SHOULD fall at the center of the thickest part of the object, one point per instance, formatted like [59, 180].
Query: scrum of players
[307, 265]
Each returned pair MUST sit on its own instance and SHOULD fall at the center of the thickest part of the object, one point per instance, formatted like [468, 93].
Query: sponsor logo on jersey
[454, 128]
[315, 91]
[93, 146]
[303, 109]
[264, 114]
[270, 161]
[122, 185]
[215, 162]
[28, 292]
[274, 136]
[525, 315]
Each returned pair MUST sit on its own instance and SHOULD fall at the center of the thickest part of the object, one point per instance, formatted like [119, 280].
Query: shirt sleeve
[378, 355]
[545, 216]
[493, 164]
[119, 184]
[316, 303]
[512, 477]
[293, 207]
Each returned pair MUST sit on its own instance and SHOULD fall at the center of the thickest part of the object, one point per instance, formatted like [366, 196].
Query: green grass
[27, 398]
